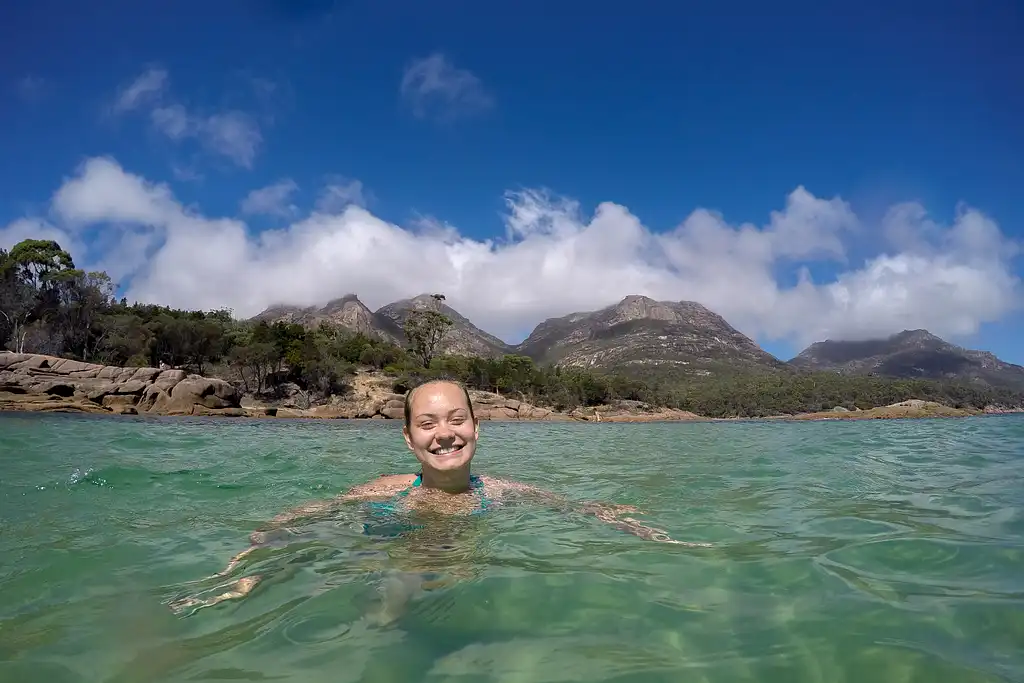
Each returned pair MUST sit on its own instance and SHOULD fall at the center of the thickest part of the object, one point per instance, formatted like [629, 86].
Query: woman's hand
[606, 512]
[602, 510]
[270, 535]
[651, 533]
[609, 514]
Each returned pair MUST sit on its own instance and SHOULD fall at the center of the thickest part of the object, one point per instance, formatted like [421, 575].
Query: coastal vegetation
[49, 306]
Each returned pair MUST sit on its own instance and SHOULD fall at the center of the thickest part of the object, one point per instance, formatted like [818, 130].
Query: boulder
[166, 380]
[528, 412]
[394, 409]
[132, 386]
[368, 408]
[66, 366]
[48, 382]
[207, 391]
[260, 411]
[200, 409]
[481, 398]
[113, 401]
[8, 359]
[31, 362]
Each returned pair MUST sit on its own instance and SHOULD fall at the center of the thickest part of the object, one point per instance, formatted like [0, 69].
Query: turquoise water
[843, 551]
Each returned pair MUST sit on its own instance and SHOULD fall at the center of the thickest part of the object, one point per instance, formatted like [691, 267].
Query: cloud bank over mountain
[555, 259]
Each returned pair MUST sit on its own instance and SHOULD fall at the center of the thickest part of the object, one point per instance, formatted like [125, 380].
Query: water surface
[843, 551]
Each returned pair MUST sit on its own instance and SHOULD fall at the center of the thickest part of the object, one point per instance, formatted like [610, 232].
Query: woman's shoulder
[384, 485]
[498, 481]
[506, 485]
[394, 480]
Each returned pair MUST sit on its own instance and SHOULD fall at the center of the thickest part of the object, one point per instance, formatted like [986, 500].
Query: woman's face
[441, 433]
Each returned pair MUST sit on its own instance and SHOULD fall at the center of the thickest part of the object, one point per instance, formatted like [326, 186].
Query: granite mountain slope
[463, 338]
[386, 323]
[347, 312]
[642, 336]
[910, 354]
[639, 333]
[636, 333]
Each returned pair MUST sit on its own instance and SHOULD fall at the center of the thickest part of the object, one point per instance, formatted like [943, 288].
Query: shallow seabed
[843, 551]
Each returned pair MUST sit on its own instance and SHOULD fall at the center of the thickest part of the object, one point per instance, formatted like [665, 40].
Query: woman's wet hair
[438, 380]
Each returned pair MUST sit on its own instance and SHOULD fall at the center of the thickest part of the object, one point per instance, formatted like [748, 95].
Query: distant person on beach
[442, 432]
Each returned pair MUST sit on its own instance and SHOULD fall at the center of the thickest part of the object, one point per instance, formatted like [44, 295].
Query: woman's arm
[606, 512]
[384, 486]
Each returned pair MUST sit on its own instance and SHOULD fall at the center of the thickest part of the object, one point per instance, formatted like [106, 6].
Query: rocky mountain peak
[427, 302]
[636, 307]
[640, 331]
[916, 337]
[910, 353]
[277, 311]
[339, 304]
[462, 338]
[347, 312]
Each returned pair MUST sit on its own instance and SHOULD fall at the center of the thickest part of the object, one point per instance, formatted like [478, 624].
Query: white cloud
[147, 88]
[173, 121]
[272, 200]
[555, 260]
[102, 192]
[38, 229]
[434, 87]
[231, 133]
[340, 193]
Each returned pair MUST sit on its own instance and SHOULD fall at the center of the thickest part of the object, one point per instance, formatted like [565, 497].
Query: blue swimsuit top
[384, 512]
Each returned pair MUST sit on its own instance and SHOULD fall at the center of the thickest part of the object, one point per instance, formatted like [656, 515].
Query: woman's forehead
[440, 397]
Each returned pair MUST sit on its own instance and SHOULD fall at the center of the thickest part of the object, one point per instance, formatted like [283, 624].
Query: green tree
[515, 374]
[33, 278]
[83, 299]
[254, 362]
[16, 303]
[123, 339]
[48, 304]
[425, 330]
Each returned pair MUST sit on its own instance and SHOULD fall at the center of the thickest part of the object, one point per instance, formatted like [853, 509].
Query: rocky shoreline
[40, 382]
[35, 382]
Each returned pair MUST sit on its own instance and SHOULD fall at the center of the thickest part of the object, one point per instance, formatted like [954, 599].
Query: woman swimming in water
[442, 432]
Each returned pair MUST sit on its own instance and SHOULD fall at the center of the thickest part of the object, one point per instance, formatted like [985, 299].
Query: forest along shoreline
[37, 382]
[637, 360]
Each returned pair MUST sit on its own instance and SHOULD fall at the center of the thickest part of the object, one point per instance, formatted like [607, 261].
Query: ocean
[842, 551]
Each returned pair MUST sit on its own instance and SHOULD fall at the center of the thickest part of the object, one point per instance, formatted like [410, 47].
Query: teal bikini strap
[475, 484]
[415, 483]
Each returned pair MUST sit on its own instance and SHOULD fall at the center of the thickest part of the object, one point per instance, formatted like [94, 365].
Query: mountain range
[639, 335]
[910, 353]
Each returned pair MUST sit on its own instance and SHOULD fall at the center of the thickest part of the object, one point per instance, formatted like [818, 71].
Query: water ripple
[883, 551]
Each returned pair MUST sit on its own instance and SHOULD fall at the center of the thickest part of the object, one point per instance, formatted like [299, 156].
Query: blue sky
[663, 109]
